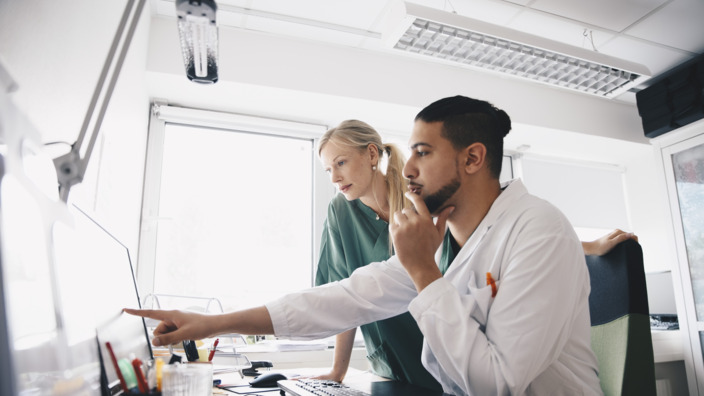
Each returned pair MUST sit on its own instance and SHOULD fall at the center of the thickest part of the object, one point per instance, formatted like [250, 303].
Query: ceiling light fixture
[199, 39]
[470, 42]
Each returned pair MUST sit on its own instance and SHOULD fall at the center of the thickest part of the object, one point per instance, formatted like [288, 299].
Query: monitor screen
[661, 293]
[36, 357]
[97, 281]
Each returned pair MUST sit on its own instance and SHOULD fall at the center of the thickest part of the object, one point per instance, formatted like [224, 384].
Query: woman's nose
[334, 176]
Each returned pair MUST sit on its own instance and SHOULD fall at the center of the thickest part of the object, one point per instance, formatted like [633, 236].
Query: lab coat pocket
[484, 298]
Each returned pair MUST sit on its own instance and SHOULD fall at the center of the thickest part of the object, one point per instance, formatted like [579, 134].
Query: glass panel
[689, 179]
[235, 214]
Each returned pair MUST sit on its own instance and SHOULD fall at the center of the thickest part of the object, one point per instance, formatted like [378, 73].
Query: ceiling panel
[562, 30]
[607, 14]
[492, 11]
[658, 58]
[360, 14]
[678, 25]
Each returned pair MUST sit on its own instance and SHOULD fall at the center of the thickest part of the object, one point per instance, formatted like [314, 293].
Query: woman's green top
[353, 236]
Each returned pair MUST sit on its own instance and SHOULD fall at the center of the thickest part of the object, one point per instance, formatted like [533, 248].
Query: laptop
[313, 387]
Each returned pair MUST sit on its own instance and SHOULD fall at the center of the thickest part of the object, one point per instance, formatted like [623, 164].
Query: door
[684, 172]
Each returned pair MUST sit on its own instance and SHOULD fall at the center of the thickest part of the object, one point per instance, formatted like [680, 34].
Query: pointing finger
[146, 313]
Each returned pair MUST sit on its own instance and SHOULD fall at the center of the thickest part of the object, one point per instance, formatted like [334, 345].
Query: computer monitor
[35, 356]
[661, 293]
[97, 280]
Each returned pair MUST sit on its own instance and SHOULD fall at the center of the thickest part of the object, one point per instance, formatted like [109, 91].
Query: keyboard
[314, 387]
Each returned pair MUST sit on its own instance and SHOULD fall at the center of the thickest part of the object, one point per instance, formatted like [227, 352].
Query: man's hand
[176, 326]
[416, 238]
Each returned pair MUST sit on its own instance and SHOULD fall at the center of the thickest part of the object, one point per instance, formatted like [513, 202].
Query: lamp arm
[71, 167]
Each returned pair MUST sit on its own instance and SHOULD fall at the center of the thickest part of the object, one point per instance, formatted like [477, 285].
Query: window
[591, 195]
[229, 207]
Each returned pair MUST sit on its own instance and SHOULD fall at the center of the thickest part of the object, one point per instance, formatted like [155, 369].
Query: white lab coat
[532, 338]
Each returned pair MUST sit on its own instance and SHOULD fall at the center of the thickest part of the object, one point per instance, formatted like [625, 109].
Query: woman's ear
[373, 154]
[474, 157]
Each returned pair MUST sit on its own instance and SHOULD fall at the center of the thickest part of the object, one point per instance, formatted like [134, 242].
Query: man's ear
[474, 157]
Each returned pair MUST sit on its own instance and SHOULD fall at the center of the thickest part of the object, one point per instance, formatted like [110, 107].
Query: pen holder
[188, 379]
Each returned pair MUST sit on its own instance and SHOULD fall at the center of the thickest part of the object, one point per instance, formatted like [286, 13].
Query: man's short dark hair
[467, 121]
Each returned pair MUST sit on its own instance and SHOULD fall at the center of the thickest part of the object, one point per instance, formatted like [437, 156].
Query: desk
[670, 373]
[667, 345]
[295, 359]
[354, 376]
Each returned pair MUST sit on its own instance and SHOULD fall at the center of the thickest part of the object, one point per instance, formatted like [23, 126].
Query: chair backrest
[621, 337]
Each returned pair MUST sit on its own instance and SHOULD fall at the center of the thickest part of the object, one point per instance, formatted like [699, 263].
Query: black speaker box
[673, 99]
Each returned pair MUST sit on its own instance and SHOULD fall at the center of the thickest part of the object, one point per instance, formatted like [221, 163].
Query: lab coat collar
[511, 191]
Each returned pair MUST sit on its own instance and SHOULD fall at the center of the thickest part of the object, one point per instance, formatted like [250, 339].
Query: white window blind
[590, 195]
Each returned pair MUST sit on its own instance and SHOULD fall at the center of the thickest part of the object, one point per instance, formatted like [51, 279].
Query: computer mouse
[267, 380]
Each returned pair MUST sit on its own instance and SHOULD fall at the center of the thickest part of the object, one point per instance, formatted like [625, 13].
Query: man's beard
[436, 200]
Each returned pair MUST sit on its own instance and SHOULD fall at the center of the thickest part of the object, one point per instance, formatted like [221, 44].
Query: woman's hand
[332, 376]
[603, 245]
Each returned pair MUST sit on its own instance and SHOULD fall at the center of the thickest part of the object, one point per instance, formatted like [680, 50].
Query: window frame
[160, 116]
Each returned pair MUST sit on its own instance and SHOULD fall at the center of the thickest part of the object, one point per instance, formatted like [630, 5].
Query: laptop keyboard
[315, 387]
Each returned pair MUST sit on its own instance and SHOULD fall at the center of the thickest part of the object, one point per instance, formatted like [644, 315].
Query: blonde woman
[368, 175]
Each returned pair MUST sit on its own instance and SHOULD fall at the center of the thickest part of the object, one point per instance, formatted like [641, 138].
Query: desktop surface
[310, 387]
[360, 380]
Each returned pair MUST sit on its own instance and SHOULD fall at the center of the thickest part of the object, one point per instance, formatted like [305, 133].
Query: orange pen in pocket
[490, 281]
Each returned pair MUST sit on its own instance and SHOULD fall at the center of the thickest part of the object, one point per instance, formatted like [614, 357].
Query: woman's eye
[340, 163]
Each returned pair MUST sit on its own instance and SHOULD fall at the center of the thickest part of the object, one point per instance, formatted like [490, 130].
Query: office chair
[620, 320]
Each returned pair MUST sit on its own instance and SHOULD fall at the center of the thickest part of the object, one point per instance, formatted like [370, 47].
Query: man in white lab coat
[510, 315]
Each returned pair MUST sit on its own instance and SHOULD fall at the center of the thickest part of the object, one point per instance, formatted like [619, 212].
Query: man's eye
[421, 153]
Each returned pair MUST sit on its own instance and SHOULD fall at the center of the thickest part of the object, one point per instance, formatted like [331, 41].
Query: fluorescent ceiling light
[470, 42]
[199, 39]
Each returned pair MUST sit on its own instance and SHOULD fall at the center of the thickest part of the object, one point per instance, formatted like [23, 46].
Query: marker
[141, 381]
[123, 384]
[128, 374]
[191, 350]
[159, 368]
[212, 351]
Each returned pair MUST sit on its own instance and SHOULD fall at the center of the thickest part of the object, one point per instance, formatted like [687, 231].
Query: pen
[490, 281]
[212, 351]
[123, 384]
[141, 381]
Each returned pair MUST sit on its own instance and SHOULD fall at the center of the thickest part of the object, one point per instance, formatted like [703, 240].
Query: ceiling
[659, 34]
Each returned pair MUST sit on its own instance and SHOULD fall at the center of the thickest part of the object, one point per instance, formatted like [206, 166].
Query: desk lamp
[71, 167]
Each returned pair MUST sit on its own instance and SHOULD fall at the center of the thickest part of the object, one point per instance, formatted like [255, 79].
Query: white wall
[55, 52]
[112, 188]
